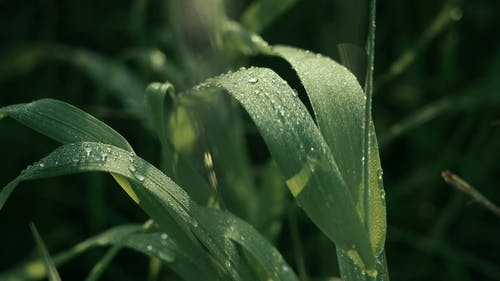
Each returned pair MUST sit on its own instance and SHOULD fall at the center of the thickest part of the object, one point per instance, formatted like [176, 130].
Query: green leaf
[301, 153]
[354, 58]
[224, 224]
[109, 73]
[48, 262]
[150, 242]
[261, 13]
[215, 146]
[340, 108]
[159, 197]
[64, 123]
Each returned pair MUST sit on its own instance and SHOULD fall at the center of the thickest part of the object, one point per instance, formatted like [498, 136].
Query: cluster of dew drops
[162, 253]
[89, 154]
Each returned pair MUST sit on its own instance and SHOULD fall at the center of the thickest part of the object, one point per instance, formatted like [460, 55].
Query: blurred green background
[436, 107]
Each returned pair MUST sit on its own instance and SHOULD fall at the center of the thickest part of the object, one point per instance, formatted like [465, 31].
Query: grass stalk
[460, 184]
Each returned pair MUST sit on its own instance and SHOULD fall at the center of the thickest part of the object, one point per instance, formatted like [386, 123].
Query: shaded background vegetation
[436, 107]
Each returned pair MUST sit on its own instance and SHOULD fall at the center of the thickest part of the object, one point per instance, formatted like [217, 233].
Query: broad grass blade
[162, 200]
[301, 153]
[340, 108]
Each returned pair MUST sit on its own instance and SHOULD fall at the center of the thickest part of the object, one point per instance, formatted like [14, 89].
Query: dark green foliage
[435, 107]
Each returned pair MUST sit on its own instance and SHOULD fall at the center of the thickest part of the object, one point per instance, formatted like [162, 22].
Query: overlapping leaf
[160, 197]
[339, 106]
[302, 154]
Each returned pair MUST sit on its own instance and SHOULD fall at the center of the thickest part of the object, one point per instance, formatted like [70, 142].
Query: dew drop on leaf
[379, 174]
[131, 168]
[88, 150]
[252, 80]
[139, 177]
[168, 257]
[104, 156]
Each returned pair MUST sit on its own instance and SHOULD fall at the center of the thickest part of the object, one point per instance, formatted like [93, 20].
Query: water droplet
[285, 268]
[168, 257]
[41, 165]
[149, 247]
[273, 80]
[242, 238]
[195, 223]
[131, 168]
[164, 236]
[139, 177]
[104, 156]
[228, 264]
[380, 173]
[382, 194]
[363, 159]
[283, 82]
[253, 80]
[88, 150]
[57, 162]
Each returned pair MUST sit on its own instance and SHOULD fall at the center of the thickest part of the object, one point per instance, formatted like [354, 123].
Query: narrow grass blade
[446, 17]
[174, 164]
[35, 270]
[152, 242]
[261, 13]
[158, 196]
[217, 149]
[49, 264]
[64, 123]
[484, 93]
[354, 58]
[107, 72]
[458, 183]
[104, 262]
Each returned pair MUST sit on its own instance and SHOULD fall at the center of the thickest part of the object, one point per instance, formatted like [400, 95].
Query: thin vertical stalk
[297, 244]
[370, 51]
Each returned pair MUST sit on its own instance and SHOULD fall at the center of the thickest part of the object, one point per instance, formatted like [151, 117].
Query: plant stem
[449, 14]
[370, 50]
[457, 182]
